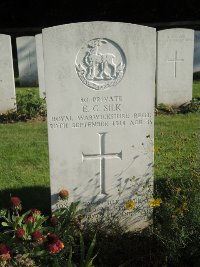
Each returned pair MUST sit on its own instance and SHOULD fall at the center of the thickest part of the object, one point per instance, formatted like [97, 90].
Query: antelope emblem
[99, 66]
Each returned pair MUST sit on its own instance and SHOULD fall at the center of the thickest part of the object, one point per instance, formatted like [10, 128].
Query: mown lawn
[196, 89]
[24, 166]
[176, 145]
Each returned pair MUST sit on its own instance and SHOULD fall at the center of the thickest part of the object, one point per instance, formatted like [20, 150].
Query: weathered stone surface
[40, 64]
[100, 82]
[7, 83]
[175, 66]
[27, 62]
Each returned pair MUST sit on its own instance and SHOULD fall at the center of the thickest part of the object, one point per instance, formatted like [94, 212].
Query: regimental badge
[100, 64]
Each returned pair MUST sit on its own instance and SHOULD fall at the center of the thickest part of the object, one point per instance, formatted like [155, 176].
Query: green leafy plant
[177, 222]
[166, 108]
[29, 106]
[86, 260]
[32, 239]
[191, 106]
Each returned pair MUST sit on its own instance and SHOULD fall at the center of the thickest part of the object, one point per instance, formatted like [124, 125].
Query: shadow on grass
[37, 197]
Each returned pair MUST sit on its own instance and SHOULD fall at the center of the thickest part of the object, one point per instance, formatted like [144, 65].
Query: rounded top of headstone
[177, 30]
[90, 23]
[4, 35]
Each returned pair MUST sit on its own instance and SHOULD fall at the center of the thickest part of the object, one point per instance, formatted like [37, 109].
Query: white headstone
[27, 62]
[100, 82]
[175, 66]
[7, 82]
[197, 51]
[40, 64]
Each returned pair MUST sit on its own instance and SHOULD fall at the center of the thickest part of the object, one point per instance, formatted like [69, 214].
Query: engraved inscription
[100, 64]
[175, 61]
[100, 111]
[102, 156]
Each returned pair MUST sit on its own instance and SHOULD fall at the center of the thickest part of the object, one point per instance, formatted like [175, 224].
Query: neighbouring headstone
[7, 82]
[40, 64]
[27, 62]
[100, 83]
[175, 48]
[197, 51]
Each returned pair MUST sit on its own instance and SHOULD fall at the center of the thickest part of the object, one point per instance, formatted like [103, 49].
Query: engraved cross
[175, 60]
[102, 156]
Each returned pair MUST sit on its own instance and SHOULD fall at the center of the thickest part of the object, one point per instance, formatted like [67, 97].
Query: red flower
[60, 244]
[54, 220]
[55, 247]
[63, 194]
[3, 249]
[37, 235]
[15, 203]
[19, 233]
[4, 253]
[52, 238]
[35, 211]
[29, 219]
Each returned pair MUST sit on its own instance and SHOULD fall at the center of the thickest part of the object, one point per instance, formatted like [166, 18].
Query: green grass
[24, 166]
[196, 89]
[176, 145]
